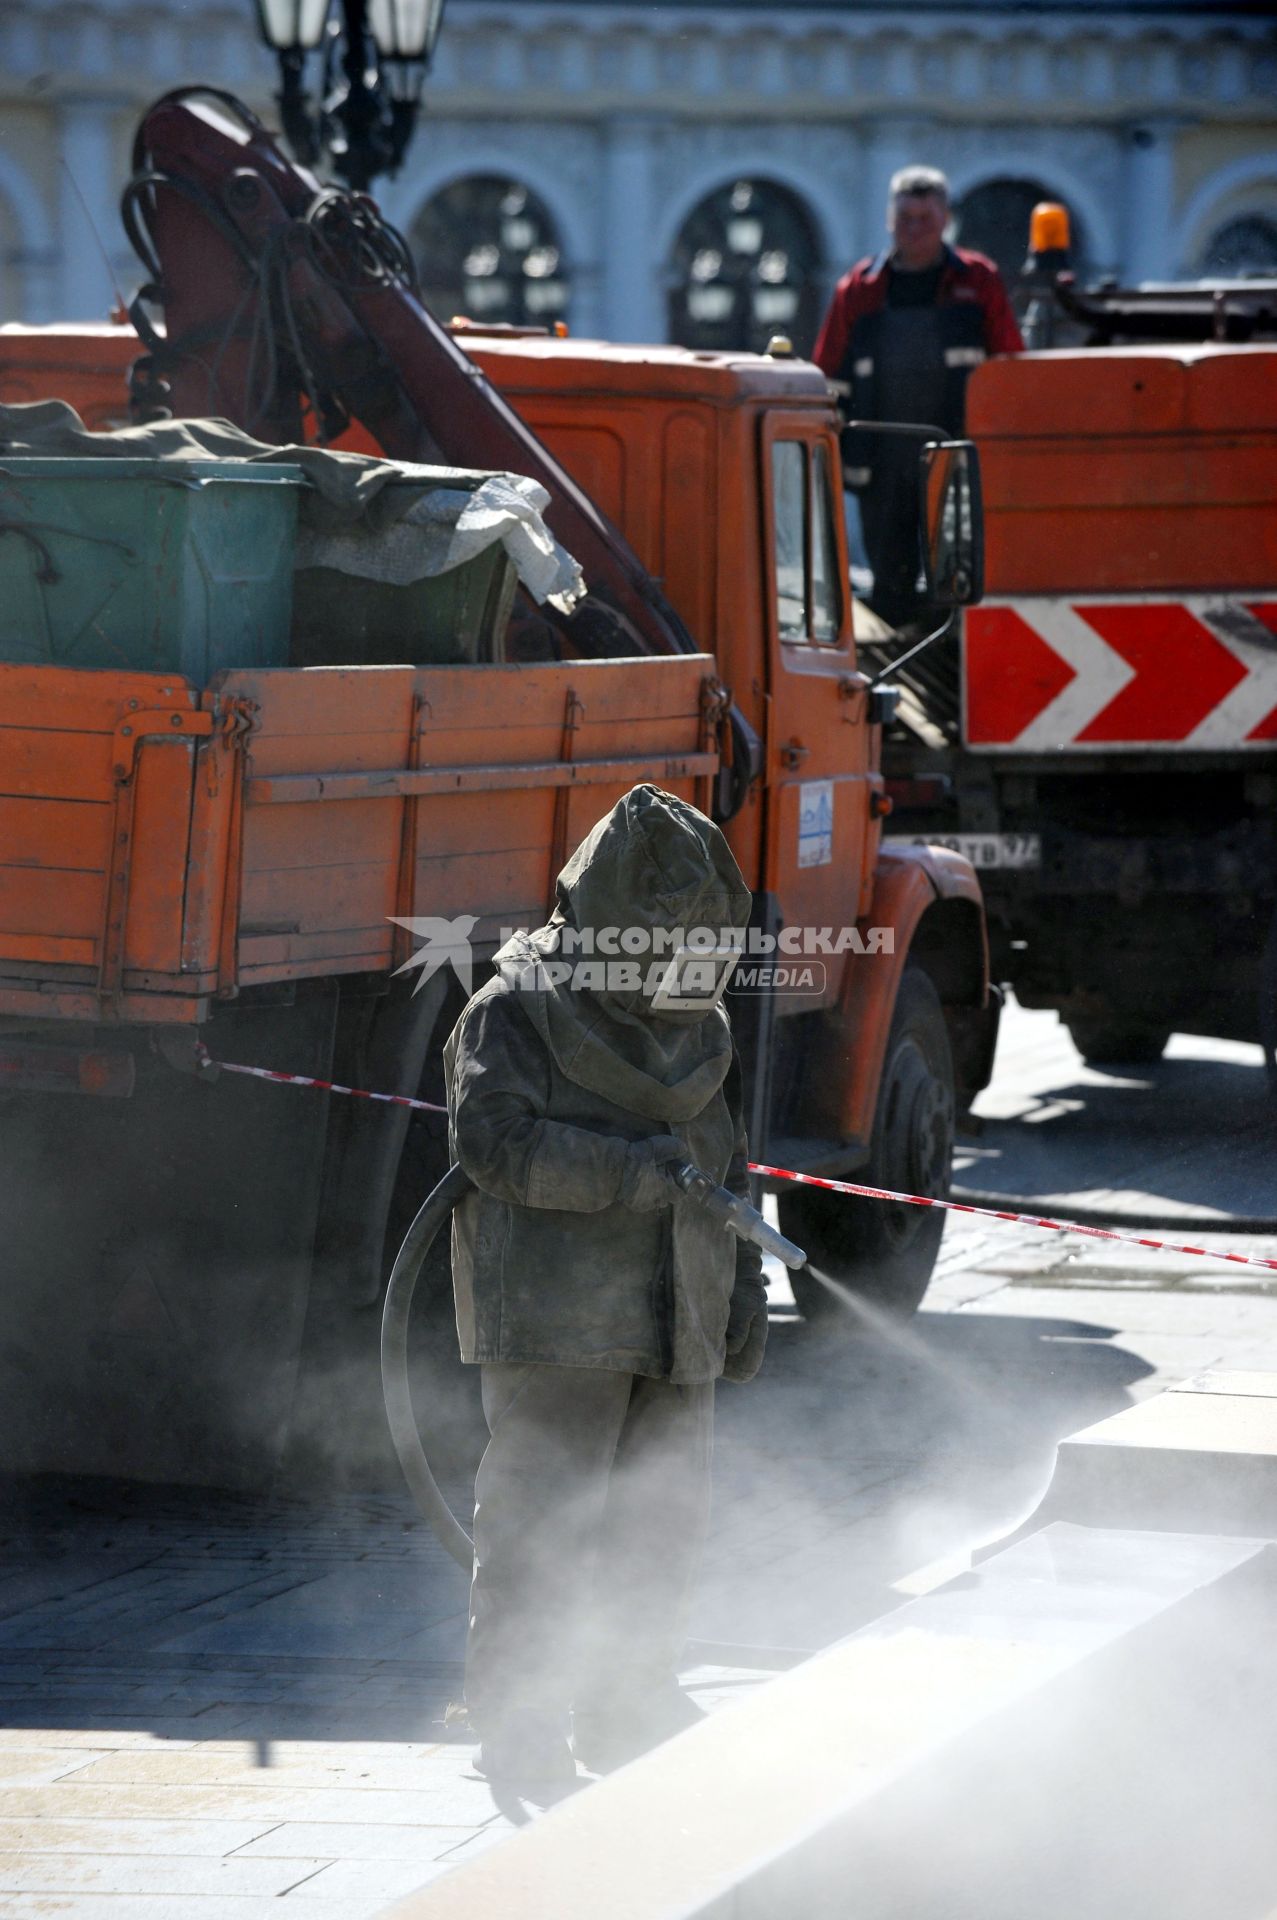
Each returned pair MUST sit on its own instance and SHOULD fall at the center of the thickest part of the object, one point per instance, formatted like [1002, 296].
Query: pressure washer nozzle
[745, 1221]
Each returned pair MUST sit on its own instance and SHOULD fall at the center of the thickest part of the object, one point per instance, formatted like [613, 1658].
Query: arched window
[994, 219]
[486, 247]
[745, 266]
[1247, 244]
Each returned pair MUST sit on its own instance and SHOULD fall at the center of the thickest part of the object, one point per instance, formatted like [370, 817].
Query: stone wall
[1156, 126]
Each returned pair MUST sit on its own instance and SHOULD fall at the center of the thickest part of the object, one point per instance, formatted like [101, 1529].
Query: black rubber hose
[434, 1213]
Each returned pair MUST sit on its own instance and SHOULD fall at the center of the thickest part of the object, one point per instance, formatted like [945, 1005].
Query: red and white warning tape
[304, 1080]
[1018, 1219]
[784, 1173]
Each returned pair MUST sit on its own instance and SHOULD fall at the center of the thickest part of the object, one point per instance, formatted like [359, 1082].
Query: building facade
[698, 172]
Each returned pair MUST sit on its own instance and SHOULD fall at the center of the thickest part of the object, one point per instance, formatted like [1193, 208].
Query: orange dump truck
[195, 1266]
[1106, 753]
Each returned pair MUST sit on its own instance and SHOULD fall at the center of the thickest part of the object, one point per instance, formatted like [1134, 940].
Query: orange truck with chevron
[1104, 746]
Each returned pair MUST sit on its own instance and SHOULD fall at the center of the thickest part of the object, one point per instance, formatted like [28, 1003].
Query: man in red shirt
[900, 339]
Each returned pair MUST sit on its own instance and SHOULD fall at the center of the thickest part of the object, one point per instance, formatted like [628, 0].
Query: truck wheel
[1116, 1043]
[879, 1251]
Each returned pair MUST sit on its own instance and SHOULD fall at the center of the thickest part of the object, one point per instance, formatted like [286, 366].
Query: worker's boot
[525, 1749]
[608, 1731]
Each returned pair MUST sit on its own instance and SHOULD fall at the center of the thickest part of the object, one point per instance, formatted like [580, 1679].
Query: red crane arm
[275, 289]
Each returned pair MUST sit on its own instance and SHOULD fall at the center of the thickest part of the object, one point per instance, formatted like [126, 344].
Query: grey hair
[919, 181]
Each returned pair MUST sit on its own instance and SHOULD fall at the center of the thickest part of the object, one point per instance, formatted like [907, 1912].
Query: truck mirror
[952, 523]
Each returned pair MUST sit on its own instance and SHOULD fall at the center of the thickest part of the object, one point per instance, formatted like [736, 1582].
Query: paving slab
[1189, 1135]
[201, 1650]
[153, 1874]
[41, 1766]
[763, 1809]
[319, 1753]
[1219, 1319]
[258, 1799]
[311, 1767]
[376, 1880]
[1235, 1382]
[31, 1737]
[1205, 1458]
[297, 1839]
[33, 1586]
[163, 1906]
[206, 1839]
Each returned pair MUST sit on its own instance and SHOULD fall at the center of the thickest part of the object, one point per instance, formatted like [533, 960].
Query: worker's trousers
[591, 1506]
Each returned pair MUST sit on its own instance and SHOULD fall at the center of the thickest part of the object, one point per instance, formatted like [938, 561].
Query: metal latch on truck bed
[135, 725]
[146, 723]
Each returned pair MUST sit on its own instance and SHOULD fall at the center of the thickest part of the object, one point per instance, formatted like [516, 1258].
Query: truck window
[826, 589]
[808, 590]
[789, 503]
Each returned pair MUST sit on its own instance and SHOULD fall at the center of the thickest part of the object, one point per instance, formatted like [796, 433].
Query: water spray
[735, 1214]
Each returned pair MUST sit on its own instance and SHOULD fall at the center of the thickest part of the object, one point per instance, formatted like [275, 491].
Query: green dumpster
[168, 566]
[352, 618]
[446, 619]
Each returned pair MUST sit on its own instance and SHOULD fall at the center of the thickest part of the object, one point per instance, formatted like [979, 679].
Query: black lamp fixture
[374, 56]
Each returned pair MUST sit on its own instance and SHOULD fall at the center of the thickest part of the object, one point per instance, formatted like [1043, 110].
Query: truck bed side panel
[94, 824]
[457, 789]
[272, 827]
[1129, 469]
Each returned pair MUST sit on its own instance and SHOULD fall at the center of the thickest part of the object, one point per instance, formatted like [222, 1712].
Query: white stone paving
[211, 1704]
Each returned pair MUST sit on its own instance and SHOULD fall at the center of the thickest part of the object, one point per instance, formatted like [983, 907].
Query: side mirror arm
[920, 646]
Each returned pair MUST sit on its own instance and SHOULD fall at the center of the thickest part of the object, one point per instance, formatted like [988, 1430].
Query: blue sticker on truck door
[816, 823]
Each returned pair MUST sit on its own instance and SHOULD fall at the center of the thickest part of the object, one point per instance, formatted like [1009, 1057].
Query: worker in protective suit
[600, 1303]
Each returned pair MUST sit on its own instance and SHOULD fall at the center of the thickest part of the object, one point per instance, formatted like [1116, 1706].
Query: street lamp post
[374, 55]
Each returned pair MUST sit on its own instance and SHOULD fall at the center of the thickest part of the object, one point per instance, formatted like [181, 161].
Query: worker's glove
[746, 1328]
[744, 1365]
[749, 1297]
[646, 1182]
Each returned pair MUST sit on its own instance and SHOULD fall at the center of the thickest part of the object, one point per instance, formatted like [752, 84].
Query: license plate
[1007, 850]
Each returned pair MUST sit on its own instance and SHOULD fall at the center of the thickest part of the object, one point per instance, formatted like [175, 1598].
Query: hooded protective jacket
[549, 1083]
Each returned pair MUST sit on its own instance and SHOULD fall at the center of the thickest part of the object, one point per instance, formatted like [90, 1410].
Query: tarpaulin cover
[385, 520]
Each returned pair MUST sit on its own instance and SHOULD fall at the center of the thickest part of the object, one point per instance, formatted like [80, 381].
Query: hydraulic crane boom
[284, 299]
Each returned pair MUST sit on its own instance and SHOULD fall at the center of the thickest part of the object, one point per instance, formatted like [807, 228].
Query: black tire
[1105, 1041]
[882, 1252]
[1268, 1007]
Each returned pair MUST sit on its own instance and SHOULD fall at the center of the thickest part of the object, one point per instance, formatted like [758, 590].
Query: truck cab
[723, 472]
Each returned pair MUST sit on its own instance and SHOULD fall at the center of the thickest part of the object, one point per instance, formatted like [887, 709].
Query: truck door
[818, 740]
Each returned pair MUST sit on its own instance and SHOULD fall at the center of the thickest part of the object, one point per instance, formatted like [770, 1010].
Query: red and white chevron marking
[1198, 671]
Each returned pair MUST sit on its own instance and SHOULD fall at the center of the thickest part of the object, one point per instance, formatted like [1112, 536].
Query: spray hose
[745, 1221]
[436, 1209]
[434, 1212]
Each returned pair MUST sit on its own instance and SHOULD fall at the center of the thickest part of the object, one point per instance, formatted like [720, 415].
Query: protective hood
[652, 870]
